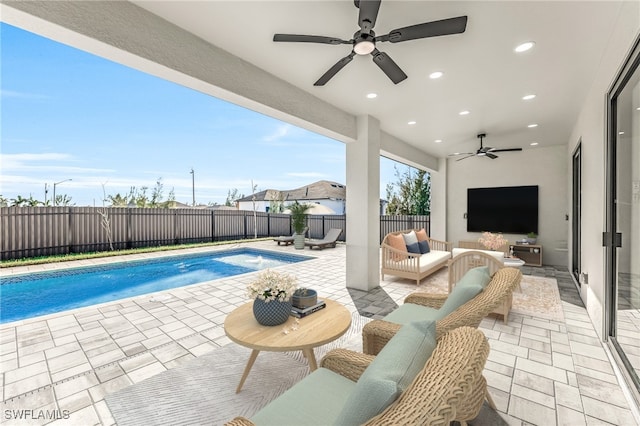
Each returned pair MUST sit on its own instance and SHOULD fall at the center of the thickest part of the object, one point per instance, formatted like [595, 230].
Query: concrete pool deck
[539, 371]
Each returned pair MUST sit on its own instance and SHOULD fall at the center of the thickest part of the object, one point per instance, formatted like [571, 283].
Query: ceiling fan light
[364, 47]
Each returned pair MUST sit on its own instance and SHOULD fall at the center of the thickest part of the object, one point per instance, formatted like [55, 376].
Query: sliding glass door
[622, 237]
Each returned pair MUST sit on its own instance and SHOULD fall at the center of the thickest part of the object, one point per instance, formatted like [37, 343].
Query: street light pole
[193, 186]
[55, 202]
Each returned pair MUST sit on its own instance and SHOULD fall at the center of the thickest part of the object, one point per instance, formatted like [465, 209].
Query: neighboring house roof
[321, 190]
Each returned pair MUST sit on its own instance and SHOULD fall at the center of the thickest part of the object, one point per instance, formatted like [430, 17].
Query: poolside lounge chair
[288, 239]
[329, 240]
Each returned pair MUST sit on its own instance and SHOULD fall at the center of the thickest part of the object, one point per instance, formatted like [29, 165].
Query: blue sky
[67, 114]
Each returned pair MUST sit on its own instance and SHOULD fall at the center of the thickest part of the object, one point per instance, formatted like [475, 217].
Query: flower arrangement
[492, 241]
[271, 285]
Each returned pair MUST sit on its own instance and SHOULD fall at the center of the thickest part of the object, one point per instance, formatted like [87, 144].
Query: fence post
[244, 217]
[213, 224]
[70, 231]
[129, 232]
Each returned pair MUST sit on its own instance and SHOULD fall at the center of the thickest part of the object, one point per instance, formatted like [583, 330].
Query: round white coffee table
[513, 262]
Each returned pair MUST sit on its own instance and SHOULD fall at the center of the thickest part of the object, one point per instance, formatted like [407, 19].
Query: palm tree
[298, 222]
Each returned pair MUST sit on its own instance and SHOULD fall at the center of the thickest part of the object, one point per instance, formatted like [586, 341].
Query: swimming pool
[31, 295]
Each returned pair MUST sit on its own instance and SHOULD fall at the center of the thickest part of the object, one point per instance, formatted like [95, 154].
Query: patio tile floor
[539, 371]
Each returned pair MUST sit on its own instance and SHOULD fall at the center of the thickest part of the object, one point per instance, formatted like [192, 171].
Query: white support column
[363, 206]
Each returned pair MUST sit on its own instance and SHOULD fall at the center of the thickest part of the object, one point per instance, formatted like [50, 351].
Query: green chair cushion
[390, 373]
[412, 312]
[316, 400]
[476, 276]
[458, 297]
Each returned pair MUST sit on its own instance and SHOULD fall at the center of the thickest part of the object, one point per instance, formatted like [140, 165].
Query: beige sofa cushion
[431, 259]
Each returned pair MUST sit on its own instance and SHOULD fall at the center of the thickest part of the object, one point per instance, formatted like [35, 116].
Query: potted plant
[531, 238]
[271, 293]
[298, 222]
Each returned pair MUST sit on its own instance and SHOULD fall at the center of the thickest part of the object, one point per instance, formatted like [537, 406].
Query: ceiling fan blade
[461, 153]
[490, 155]
[368, 14]
[506, 149]
[390, 68]
[334, 69]
[428, 29]
[470, 155]
[297, 38]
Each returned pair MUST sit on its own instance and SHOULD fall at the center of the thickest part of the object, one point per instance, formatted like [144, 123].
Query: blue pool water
[31, 295]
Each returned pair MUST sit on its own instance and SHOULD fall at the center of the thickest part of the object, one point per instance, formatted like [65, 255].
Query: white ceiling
[482, 72]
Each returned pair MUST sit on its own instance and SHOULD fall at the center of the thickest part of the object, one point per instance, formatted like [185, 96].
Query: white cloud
[22, 95]
[29, 162]
[282, 131]
[312, 175]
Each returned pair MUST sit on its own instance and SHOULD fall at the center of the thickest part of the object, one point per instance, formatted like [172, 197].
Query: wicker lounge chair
[377, 333]
[288, 239]
[449, 387]
[329, 240]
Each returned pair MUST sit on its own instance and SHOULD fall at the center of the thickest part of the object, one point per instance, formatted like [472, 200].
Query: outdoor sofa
[416, 380]
[422, 306]
[403, 257]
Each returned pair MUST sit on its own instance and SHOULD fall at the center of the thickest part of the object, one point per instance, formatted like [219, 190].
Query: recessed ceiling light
[533, 143]
[438, 141]
[528, 97]
[524, 46]
[465, 112]
[411, 123]
[638, 108]
[621, 133]
[436, 74]
[531, 126]
[372, 95]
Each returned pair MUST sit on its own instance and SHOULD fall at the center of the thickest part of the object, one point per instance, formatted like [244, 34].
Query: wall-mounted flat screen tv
[507, 209]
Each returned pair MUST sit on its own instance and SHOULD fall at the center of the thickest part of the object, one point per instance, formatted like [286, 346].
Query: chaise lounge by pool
[31, 295]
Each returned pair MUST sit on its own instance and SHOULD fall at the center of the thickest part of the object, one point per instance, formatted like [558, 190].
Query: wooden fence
[44, 231]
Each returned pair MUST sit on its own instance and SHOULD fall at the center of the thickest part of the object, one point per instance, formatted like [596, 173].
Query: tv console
[530, 253]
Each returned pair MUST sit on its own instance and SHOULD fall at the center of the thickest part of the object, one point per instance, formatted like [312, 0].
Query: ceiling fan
[364, 40]
[483, 151]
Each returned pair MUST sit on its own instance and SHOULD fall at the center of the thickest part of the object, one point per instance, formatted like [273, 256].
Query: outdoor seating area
[414, 381]
[121, 362]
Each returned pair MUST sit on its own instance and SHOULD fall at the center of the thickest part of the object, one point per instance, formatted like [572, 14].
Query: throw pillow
[422, 235]
[476, 276]
[424, 246]
[396, 241]
[410, 238]
[390, 373]
[414, 248]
